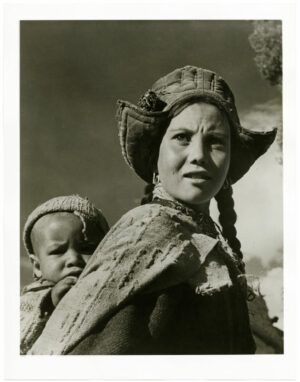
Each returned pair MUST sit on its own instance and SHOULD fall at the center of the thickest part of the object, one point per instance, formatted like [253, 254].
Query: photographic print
[72, 74]
[151, 191]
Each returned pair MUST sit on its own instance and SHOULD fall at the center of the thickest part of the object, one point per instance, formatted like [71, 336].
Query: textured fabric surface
[175, 321]
[141, 130]
[70, 203]
[151, 248]
[35, 311]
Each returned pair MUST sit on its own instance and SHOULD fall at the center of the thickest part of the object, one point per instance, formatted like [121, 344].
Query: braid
[227, 219]
[148, 193]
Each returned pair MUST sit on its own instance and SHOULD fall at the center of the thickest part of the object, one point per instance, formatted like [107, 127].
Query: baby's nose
[74, 258]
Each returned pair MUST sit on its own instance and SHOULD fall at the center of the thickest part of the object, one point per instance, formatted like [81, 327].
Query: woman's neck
[161, 193]
[201, 207]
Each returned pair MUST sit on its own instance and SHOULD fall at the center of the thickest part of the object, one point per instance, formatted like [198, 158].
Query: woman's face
[194, 155]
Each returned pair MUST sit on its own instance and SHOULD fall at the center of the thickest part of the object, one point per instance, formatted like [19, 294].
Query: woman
[165, 280]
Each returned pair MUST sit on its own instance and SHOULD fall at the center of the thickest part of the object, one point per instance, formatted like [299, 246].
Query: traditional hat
[142, 127]
[69, 203]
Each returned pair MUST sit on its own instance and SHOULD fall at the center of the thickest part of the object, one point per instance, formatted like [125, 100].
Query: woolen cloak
[163, 281]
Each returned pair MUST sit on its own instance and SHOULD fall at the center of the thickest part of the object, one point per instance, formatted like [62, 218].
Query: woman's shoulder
[146, 210]
[152, 214]
[148, 225]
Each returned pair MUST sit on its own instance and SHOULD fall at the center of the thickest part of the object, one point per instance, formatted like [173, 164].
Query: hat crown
[194, 81]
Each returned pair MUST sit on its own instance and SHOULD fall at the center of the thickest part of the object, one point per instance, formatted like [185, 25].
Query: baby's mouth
[75, 272]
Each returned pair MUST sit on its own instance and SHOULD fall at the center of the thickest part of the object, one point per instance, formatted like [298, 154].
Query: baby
[60, 235]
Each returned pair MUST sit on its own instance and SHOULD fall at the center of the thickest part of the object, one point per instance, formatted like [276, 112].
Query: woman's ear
[153, 163]
[36, 265]
[155, 178]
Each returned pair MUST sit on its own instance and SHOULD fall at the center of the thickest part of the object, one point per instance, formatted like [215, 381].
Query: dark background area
[73, 72]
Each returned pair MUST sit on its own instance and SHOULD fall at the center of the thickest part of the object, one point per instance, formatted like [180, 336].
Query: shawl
[151, 247]
[34, 312]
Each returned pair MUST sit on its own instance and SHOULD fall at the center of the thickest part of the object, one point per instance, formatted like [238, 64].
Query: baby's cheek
[86, 258]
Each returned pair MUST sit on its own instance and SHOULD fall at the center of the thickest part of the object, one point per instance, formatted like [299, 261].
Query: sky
[73, 72]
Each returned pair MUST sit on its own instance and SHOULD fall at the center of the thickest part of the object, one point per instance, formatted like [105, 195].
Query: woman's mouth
[197, 175]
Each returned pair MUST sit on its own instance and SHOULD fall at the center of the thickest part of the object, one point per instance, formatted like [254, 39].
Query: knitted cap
[142, 127]
[70, 203]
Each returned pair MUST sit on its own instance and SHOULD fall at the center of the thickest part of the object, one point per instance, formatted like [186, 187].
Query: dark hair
[227, 219]
[148, 193]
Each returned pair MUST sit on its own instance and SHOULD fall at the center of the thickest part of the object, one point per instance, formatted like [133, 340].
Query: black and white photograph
[151, 191]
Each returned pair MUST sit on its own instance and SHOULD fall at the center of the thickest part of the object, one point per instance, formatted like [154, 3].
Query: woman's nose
[197, 150]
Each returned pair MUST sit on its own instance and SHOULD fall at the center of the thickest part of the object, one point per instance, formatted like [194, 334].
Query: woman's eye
[216, 141]
[182, 138]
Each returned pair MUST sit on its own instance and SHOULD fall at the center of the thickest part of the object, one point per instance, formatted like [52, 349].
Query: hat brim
[141, 132]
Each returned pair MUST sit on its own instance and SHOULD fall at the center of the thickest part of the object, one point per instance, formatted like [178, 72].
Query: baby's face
[59, 245]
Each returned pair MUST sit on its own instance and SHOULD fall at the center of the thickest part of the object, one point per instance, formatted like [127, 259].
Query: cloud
[271, 286]
[258, 195]
[264, 116]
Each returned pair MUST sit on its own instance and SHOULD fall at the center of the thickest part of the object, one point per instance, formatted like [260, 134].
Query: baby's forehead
[60, 224]
[54, 219]
[55, 224]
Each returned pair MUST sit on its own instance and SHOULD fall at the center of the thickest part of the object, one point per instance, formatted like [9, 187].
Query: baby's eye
[88, 249]
[57, 251]
[182, 138]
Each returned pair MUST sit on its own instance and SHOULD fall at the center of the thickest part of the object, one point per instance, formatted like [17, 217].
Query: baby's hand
[61, 288]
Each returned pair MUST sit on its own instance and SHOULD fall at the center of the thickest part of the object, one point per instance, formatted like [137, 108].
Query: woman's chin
[197, 202]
